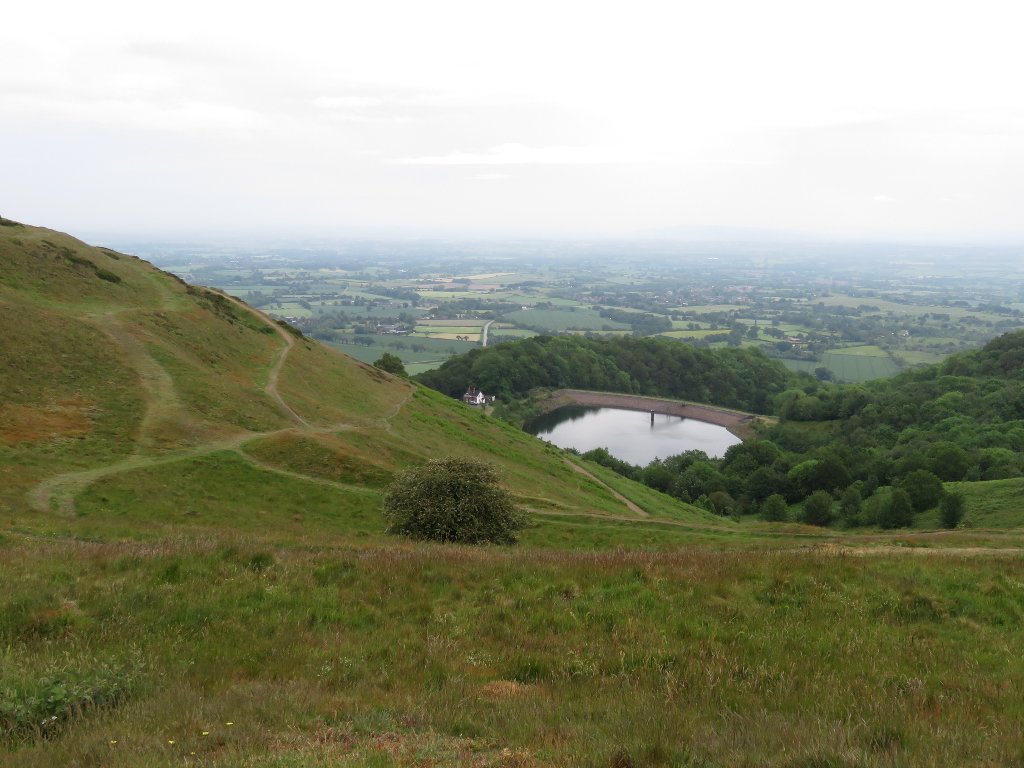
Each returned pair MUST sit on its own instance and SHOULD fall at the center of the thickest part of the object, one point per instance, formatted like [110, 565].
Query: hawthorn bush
[452, 499]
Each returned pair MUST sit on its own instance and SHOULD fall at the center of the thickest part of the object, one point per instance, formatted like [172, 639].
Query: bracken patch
[34, 424]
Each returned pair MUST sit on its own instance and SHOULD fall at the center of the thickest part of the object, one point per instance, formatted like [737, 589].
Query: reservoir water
[630, 435]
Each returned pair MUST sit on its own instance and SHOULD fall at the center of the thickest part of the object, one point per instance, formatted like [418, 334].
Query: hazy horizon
[796, 120]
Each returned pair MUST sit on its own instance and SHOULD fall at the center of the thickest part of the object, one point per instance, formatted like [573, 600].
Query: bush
[951, 509]
[774, 509]
[849, 506]
[452, 499]
[899, 513]
[818, 508]
[390, 363]
[924, 489]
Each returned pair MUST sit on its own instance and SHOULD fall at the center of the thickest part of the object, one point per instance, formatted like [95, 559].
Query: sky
[872, 120]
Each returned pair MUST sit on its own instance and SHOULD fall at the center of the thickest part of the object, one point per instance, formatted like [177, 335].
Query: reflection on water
[630, 435]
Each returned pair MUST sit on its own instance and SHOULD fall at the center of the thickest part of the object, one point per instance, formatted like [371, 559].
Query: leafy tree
[390, 363]
[699, 479]
[899, 512]
[774, 509]
[850, 504]
[948, 461]
[818, 508]
[951, 509]
[452, 499]
[924, 489]
[658, 476]
[721, 502]
[765, 481]
[605, 459]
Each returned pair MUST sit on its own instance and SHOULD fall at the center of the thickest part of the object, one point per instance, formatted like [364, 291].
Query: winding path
[57, 493]
[275, 371]
[630, 505]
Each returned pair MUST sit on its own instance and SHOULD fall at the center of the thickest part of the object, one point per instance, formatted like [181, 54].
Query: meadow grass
[418, 654]
[992, 503]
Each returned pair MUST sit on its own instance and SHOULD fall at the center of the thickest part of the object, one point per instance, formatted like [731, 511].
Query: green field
[563, 320]
[698, 334]
[436, 350]
[858, 364]
[899, 308]
[807, 366]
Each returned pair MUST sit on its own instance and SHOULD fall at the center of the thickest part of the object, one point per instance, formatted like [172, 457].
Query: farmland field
[859, 364]
[698, 334]
[920, 313]
[562, 320]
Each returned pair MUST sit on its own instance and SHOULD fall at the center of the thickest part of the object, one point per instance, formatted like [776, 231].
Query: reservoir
[630, 435]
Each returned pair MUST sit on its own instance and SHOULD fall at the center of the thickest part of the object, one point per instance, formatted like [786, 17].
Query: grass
[221, 592]
[858, 364]
[434, 349]
[403, 655]
[696, 334]
[222, 490]
[911, 310]
[562, 320]
[992, 503]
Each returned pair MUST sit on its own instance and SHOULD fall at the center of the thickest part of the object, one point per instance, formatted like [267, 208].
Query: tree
[452, 499]
[951, 509]
[924, 489]
[948, 460]
[818, 508]
[899, 512]
[774, 509]
[849, 505]
[721, 502]
[390, 363]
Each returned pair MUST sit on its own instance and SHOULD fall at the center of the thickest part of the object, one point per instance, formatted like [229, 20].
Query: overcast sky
[848, 119]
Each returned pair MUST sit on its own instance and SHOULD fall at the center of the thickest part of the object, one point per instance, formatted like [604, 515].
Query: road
[483, 334]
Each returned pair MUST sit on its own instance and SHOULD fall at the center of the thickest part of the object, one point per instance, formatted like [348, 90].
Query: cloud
[347, 102]
[880, 198]
[518, 154]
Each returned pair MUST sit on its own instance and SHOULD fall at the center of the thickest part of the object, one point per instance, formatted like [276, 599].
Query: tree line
[876, 454]
[872, 454]
[734, 378]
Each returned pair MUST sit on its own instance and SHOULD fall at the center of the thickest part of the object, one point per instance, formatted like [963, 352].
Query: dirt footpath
[737, 422]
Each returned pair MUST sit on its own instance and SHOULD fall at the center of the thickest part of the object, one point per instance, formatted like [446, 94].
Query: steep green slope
[131, 396]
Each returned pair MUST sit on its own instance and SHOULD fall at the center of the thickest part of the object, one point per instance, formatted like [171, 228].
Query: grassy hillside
[121, 379]
[195, 573]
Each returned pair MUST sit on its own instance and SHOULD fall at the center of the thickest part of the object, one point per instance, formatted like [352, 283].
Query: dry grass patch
[504, 689]
[34, 424]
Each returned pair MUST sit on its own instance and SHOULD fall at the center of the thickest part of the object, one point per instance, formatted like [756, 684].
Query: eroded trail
[163, 405]
[630, 505]
[275, 371]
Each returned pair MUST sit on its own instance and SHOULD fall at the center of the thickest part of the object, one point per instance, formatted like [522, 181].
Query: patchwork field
[563, 320]
[857, 364]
